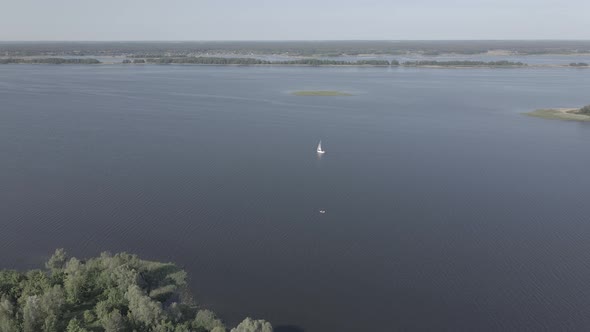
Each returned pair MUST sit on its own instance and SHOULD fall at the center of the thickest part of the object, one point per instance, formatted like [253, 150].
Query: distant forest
[292, 48]
[502, 63]
[55, 61]
[112, 293]
[253, 61]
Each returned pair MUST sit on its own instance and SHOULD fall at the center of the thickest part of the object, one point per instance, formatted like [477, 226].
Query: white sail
[320, 148]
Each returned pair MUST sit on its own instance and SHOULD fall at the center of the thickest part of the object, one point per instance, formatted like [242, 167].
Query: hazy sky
[299, 19]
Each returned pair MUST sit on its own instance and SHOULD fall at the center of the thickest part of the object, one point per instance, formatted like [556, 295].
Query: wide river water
[446, 207]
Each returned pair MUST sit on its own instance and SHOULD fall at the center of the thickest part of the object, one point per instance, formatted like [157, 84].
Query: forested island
[208, 60]
[254, 61]
[502, 63]
[571, 114]
[112, 293]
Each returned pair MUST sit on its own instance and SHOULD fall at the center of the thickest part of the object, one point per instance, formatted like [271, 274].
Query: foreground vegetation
[112, 293]
[571, 114]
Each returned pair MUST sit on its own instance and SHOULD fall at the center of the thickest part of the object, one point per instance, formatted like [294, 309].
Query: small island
[570, 114]
[323, 93]
[112, 293]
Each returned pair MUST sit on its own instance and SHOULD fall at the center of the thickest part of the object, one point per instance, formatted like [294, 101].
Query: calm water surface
[446, 208]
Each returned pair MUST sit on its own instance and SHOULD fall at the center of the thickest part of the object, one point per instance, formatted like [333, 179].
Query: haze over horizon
[185, 20]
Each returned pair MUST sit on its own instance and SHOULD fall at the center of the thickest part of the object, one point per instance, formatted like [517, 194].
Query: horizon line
[276, 40]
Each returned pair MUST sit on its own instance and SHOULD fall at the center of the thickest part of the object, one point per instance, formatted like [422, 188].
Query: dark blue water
[446, 208]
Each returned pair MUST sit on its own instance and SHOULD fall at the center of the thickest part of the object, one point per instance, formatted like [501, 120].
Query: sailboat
[320, 151]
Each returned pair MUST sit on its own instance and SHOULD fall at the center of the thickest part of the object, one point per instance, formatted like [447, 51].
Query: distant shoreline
[305, 62]
[302, 65]
[568, 114]
[291, 48]
[66, 61]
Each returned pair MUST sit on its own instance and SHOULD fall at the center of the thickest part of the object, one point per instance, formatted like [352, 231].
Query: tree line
[325, 62]
[112, 293]
[466, 63]
[54, 61]
[293, 48]
[254, 61]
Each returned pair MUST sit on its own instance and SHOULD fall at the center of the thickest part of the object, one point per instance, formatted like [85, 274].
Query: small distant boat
[322, 211]
[320, 151]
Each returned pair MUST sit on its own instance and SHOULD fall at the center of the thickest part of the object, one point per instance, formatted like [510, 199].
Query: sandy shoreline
[567, 114]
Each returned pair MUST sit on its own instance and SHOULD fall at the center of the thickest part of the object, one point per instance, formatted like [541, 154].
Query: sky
[43, 20]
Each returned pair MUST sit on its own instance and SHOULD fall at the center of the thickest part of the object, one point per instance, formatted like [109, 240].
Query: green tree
[114, 322]
[250, 325]
[35, 282]
[206, 320]
[164, 326]
[11, 283]
[115, 299]
[50, 324]
[9, 325]
[57, 261]
[142, 310]
[88, 317]
[75, 280]
[6, 308]
[8, 322]
[75, 326]
[33, 315]
[174, 312]
[53, 300]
